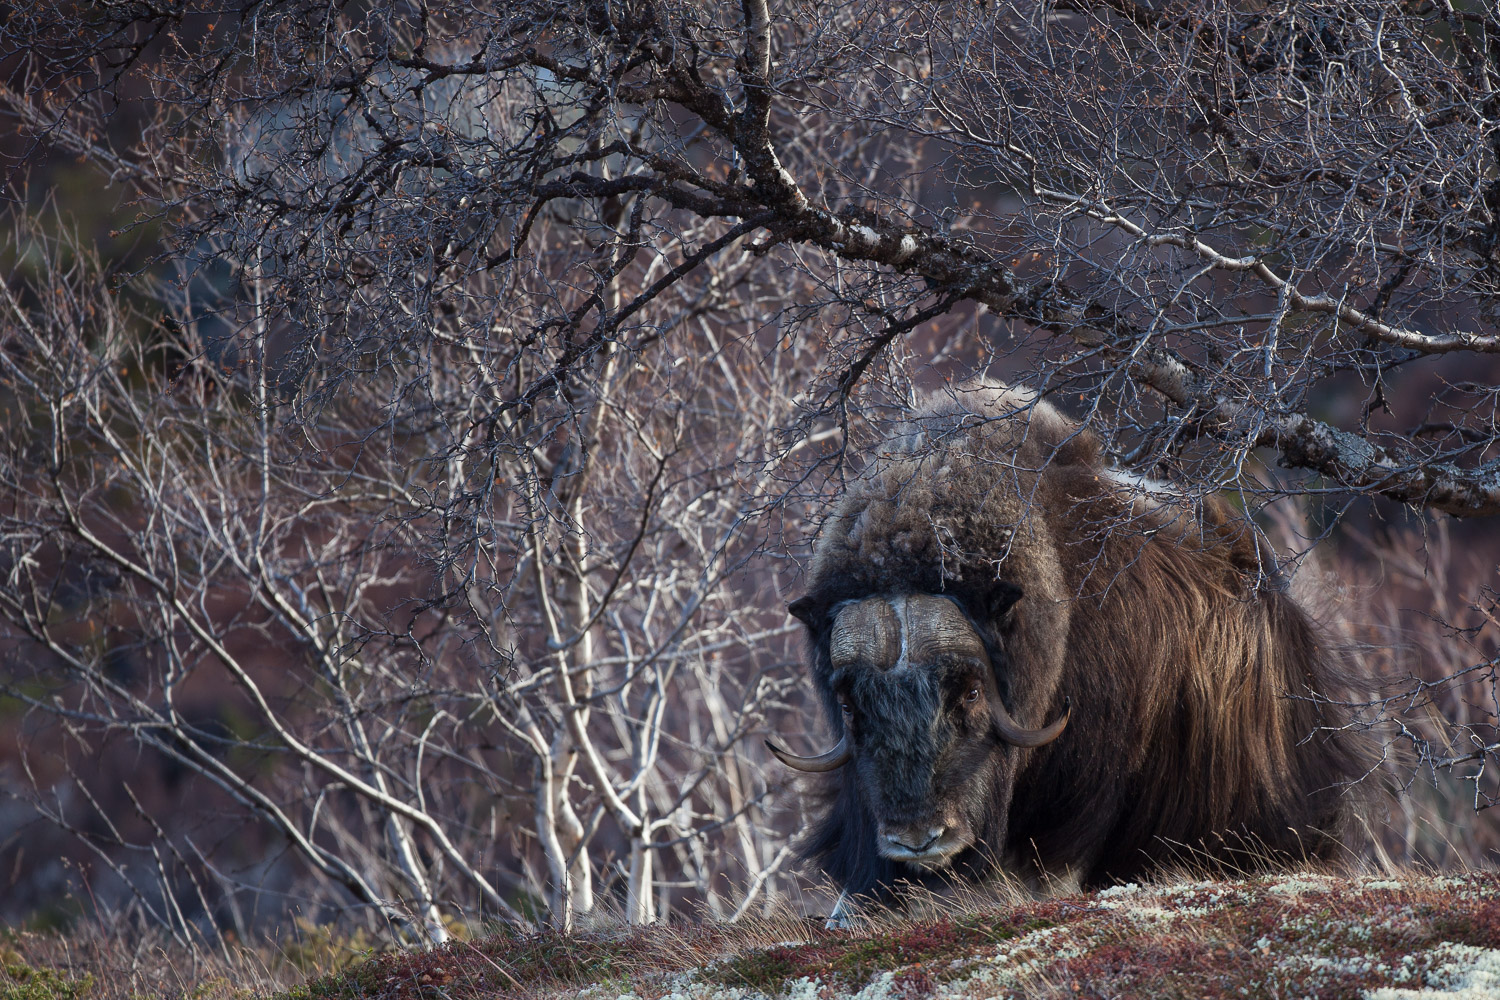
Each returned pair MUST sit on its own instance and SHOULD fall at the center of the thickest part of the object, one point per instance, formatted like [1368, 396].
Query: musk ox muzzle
[920, 713]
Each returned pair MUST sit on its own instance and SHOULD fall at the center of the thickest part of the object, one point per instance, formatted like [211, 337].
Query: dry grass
[1310, 933]
[119, 960]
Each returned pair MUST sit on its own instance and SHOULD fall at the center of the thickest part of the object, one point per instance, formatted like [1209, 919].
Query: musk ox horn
[868, 632]
[1028, 739]
[835, 758]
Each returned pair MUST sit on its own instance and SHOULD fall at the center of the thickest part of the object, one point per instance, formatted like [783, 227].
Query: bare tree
[575, 643]
[508, 348]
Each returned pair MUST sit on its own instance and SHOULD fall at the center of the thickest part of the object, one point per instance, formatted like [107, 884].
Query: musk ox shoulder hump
[951, 498]
[1011, 419]
[1015, 422]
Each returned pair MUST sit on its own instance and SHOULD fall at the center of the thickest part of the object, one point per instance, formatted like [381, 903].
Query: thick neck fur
[1188, 746]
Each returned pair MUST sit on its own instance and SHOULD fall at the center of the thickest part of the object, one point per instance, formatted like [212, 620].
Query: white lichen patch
[1118, 891]
[1456, 972]
[1470, 885]
[1015, 964]
[804, 989]
[1151, 915]
[1364, 928]
[683, 987]
[1296, 885]
[1187, 888]
[882, 987]
[1318, 971]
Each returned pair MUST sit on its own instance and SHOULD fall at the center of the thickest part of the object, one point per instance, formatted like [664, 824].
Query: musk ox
[1036, 663]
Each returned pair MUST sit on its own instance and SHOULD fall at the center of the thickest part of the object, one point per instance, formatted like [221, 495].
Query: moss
[499, 964]
[317, 948]
[925, 952]
[759, 970]
[1477, 924]
[22, 982]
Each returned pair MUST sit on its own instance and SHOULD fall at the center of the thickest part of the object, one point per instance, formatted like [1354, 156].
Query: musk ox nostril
[916, 841]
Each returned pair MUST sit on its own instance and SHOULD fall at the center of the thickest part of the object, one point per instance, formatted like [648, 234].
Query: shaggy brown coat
[1162, 621]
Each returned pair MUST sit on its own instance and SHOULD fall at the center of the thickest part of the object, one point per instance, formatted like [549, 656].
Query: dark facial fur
[921, 737]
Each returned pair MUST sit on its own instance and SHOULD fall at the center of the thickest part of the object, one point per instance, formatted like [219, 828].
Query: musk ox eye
[844, 707]
[973, 695]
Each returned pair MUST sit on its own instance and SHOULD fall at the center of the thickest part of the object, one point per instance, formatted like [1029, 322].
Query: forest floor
[1280, 936]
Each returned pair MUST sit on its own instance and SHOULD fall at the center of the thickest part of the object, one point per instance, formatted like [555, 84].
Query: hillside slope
[1300, 935]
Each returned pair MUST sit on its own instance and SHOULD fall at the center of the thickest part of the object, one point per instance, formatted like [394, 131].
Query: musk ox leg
[1064, 883]
[1043, 882]
[838, 920]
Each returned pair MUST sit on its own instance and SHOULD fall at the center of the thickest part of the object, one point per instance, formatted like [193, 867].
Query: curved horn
[833, 759]
[1028, 739]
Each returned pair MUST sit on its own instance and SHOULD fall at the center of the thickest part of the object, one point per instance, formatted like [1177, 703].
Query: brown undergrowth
[100, 959]
[1303, 934]
[1306, 934]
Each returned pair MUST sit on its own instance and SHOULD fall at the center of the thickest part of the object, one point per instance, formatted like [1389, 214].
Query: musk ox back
[1033, 662]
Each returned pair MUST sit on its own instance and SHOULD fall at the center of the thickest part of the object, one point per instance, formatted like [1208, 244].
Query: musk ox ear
[804, 609]
[1000, 598]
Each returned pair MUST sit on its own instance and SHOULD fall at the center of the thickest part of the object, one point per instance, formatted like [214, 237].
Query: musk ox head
[923, 721]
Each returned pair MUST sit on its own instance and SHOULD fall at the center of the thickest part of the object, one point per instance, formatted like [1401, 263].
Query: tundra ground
[1288, 935]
